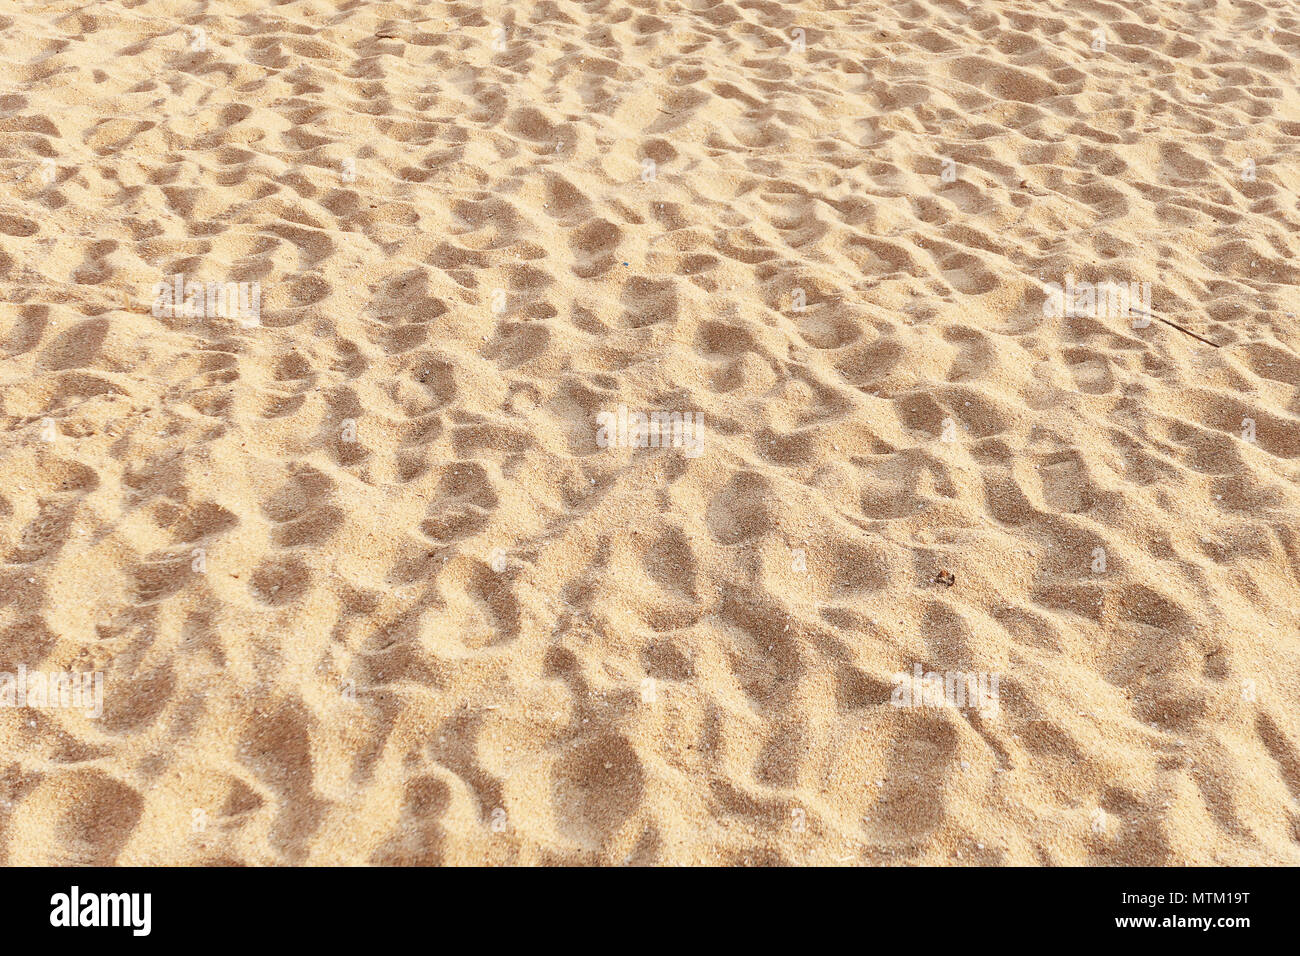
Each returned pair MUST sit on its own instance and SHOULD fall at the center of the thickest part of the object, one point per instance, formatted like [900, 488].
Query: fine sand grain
[374, 569]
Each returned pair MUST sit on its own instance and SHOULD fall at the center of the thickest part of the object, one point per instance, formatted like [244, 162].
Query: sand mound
[720, 431]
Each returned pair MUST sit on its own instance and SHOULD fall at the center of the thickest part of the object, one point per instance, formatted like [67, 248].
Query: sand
[365, 547]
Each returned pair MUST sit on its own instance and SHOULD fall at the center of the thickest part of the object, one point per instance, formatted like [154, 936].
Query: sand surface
[364, 586]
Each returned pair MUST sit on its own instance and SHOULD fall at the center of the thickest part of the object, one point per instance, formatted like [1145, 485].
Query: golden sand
[364, 587]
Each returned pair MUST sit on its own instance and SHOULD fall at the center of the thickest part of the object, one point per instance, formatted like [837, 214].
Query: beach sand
[370, 560]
